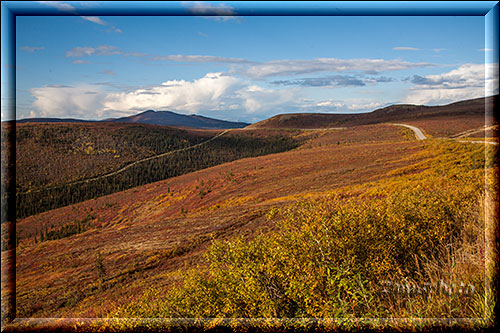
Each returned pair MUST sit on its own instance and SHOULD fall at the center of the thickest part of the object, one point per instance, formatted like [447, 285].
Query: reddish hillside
[147, 234]
[470, 108]
[144, 234]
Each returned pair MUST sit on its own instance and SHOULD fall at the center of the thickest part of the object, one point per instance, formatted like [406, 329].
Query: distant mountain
[478, 106]
[390, 113]
[152, 117]
[53, 120]
[174, 119]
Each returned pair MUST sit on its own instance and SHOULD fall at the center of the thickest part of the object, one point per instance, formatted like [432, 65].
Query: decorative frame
[11, 9]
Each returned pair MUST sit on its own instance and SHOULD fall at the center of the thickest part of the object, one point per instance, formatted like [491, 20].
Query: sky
[244, 68]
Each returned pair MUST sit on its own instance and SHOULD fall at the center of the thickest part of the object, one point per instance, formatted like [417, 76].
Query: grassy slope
[141, 233]
[412, 245]
[131, 227]
[466, 110]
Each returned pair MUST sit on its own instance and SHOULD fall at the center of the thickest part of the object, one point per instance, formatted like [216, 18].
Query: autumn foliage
[411, 246]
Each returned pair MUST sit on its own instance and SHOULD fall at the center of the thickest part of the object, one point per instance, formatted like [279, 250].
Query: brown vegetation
[141, 232]
[393, 113]
[134, 246]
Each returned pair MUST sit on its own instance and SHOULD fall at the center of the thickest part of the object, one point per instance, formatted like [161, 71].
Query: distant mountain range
[305, 120]
[152, 117]
[54, 120]
[170, 118]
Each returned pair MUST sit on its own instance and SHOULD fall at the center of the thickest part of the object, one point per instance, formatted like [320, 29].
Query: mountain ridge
[152, 117]
[478, 106]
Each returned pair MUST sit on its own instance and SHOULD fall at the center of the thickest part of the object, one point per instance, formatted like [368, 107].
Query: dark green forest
[55, 154]
[220, 150]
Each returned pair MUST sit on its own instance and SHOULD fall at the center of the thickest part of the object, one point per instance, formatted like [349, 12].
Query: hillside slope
[150, 236]
[145, 234]
[469, 109]
[59, 164]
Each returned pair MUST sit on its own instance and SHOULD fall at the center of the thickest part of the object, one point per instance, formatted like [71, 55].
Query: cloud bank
[238, 97]
[261, 70]
[298, 67]
[69, 102]
[466, 82]
[215, 94]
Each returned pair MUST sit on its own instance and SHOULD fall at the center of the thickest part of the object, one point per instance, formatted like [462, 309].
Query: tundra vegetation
[409, 246]
[348, 225]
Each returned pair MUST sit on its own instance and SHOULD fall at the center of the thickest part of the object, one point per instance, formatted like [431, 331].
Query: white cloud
[342, 106]
[98, 20]
[201, 58]
[211, 92]
[103, 50]
[80, 61]
[405, 48]
[364, 105]
[61, 5]
[294, 67]
[215, 95]
[466, 82]
[68, 102]
[94, 19]
[32, 48]
[219, 12]
[328, 105]
[80, 51]
[257, 99]
[486, 50]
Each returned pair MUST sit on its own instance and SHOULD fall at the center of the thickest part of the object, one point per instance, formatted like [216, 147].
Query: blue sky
[243, 68]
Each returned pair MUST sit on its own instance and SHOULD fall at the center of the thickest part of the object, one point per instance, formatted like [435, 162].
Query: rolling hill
[95, 159]
[468, 109]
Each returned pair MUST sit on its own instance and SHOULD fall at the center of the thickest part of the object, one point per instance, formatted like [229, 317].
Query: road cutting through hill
[418, 133]
[420, 136]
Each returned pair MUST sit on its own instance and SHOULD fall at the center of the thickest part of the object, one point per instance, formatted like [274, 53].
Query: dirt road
[418, 133]
[420, 136]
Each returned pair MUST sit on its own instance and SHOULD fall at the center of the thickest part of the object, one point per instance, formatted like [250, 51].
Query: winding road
[420, 136]
[418, 133]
